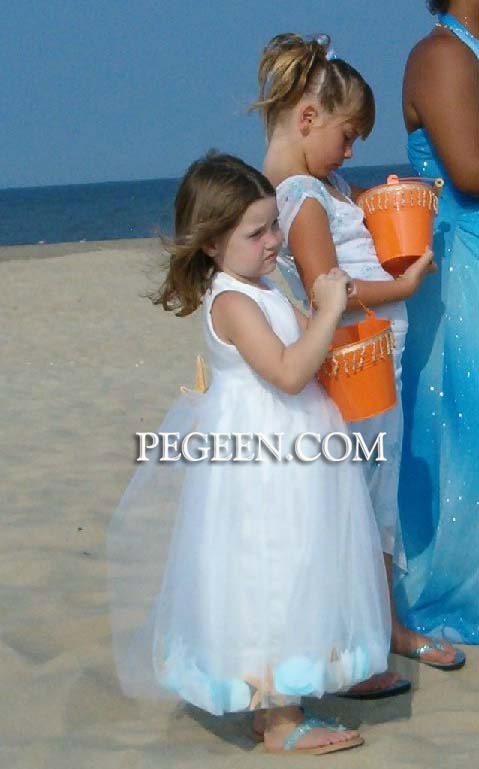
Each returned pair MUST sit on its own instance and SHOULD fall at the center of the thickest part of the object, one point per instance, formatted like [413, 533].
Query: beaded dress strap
[450, 22]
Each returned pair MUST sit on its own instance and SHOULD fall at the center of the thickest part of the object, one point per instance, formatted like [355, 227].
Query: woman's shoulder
[440, 49]
[437, 63]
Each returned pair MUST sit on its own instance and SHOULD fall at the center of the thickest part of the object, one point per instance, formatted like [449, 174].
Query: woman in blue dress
[439, 487]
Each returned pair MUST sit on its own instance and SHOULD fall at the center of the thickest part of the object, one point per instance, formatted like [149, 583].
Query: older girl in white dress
[314, 108]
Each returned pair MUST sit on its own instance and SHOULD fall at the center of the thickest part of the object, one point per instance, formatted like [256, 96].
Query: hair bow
[325, 41]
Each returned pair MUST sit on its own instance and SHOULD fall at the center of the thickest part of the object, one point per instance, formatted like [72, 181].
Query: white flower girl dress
[272, 585]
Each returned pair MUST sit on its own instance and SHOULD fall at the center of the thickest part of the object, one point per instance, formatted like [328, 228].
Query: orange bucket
[399, 216]
[358, 372]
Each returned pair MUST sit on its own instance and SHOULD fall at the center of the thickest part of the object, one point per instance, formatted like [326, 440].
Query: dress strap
[450, 22]
[223, 282]
[341, 184]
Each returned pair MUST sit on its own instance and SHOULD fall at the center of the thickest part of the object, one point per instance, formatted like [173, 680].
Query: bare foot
[406, 641]
[280, 722]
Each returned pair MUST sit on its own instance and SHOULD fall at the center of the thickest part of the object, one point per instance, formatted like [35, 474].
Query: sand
[86, 363]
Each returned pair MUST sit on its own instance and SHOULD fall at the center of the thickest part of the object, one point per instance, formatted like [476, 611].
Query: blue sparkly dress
[439, 483]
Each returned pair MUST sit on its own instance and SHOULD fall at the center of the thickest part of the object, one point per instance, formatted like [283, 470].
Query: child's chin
[269, 266]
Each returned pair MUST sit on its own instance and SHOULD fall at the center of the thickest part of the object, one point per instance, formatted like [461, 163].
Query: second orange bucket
[358, 372]
[399, 216]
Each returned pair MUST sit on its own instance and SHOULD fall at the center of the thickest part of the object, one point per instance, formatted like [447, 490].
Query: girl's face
[249, 250]
[328, 144]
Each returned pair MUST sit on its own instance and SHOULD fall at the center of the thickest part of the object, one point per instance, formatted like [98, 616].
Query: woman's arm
[441, 89]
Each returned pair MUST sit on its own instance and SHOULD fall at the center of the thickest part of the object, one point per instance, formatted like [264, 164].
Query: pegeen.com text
[257, 447]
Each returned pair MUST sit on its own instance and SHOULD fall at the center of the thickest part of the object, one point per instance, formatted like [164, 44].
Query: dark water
[112, 210]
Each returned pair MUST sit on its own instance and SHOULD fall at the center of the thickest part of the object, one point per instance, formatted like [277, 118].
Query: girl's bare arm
[239, 321]
[314, 252]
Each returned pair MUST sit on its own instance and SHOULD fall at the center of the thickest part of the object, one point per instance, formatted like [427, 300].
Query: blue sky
[99, 90]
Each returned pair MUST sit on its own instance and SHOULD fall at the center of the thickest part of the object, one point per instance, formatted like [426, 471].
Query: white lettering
[241, 444]
[347, 442]
[276, 452]
[202, 450]
[220, 441]
[366, 452]
[143, 447]
[298, 448]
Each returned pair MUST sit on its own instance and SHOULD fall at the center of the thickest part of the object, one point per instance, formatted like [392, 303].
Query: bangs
[361, 111]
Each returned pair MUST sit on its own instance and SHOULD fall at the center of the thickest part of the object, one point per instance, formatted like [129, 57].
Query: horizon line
[160, 178]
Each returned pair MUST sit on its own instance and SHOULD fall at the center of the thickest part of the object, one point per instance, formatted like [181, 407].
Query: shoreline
[49, 250]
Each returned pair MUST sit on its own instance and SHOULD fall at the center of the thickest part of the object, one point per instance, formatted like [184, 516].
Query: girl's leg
[405, 641]
[280, 722]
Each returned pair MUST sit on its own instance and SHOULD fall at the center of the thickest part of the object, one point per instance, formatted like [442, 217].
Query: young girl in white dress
[274, 585]
[314, 107]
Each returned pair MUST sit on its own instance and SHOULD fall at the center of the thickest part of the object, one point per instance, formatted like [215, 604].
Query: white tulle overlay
[271, 584]
[356, 255]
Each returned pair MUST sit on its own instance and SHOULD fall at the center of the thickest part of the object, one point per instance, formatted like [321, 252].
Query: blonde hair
[292, 66]
[211, 199]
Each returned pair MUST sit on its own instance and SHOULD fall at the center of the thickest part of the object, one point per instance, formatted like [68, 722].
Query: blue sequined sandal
[458, 661]
[312, 722]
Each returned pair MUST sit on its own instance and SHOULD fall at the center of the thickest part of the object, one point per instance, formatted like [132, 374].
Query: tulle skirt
[242, 585]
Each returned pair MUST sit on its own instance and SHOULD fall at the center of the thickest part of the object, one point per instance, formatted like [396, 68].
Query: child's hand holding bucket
[417, 271]
[330, 291]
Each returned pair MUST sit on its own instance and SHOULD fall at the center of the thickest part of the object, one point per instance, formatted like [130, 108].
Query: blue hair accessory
[325, 41]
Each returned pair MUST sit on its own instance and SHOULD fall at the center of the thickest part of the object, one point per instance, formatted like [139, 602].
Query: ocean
[112, 210]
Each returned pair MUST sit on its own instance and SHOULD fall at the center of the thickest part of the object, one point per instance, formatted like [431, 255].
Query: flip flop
[400, 687]
[289, 745]
[458, 662]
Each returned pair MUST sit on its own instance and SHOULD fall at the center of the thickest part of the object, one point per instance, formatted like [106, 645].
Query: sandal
[400, 687]
[312, 722]
[458, 662]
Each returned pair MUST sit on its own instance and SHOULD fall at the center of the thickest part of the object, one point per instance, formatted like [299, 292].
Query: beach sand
[86, 363]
